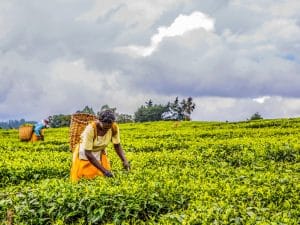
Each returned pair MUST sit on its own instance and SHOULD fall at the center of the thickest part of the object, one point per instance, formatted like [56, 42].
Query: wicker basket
[78, 123]
[25, 133]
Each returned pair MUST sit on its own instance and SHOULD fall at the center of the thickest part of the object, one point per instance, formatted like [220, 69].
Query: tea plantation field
[185, 173]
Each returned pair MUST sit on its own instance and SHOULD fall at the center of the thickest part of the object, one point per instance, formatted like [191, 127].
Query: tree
[86, 109]
[59, 120]
[175, 111]
[124, 118]
[22, 121]
[256, 116]
[179, 111]
[149, 103]
[150, 113]
[14, 123]
[188, 107]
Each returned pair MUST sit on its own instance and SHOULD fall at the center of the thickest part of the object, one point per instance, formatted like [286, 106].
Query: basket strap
[114, 129]
[95, 129]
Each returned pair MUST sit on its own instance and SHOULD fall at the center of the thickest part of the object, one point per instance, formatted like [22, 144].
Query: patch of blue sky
[290, 57]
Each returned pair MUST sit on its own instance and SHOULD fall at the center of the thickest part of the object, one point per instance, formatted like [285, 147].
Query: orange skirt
[84, 168]
[35, 138]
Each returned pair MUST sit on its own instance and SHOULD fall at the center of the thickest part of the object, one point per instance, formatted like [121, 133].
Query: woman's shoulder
[114, 128]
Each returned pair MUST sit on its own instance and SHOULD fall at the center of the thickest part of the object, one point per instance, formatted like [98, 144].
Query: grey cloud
[5, 87]
[208, 68]
[253, 52]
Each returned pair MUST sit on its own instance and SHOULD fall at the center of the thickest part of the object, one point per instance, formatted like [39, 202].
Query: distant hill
[14, 123]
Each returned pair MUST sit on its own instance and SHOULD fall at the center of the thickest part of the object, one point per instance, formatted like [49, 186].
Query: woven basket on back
[78, 123]
[25, 133]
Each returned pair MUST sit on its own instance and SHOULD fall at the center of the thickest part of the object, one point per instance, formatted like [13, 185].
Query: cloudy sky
[234, 57]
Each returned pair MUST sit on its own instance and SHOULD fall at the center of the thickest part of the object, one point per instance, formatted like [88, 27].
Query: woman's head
[107, 116]
[46, 123]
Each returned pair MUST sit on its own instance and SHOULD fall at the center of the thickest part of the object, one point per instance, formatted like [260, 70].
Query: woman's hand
[108, 174]
[126, 165]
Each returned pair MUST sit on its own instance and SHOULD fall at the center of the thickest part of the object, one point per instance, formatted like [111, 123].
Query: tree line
[176, 110]
[14, 123]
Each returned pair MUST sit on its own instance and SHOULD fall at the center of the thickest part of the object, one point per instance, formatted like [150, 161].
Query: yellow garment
[89, 140]
[84, 169]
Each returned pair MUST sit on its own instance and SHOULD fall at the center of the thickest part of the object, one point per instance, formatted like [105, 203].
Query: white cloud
[140, 14]
[181, 25]
[241, 109]
[286, 8]
[262, 99]
[5, 26]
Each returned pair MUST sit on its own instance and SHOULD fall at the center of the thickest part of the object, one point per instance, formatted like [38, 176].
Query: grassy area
[182, 173]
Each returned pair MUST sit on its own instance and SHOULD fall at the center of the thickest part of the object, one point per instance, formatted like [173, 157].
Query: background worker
[37, 130]
[90, 156]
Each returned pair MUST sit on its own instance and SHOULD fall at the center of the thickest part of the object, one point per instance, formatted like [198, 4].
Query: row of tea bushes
[182, 173]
